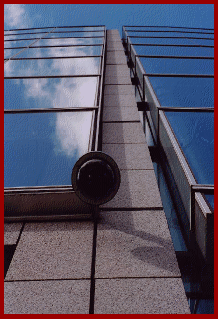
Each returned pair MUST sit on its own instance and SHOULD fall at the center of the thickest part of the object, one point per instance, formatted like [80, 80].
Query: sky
[114, 16]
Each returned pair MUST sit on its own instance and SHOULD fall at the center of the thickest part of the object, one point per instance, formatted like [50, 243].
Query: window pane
[184, 92]
[195, 133]
[80, 28]
[58, 51]
[178, 51]
[69, 41]
[178, 66]
[24, 36]
[168, 28]
[169, 33]
[172, 41]
[49, 93]
[41, 149]
[73, 33]
[37, 30]
[18, 44]
[51, 67]
[210, 199]
[9, 53]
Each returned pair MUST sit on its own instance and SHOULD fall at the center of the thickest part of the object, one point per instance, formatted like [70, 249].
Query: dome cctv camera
[95, 178]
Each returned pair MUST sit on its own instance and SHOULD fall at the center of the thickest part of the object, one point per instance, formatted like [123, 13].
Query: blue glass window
[60, 51]
[49, 93]
[184, 92]
[178, 66]
[68, 41]
[176, 51]
[41, 149]
[53, 67]
[195, 134]
[172, 41]
[73, 33]
[210, 199]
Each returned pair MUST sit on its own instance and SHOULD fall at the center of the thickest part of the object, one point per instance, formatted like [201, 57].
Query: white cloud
[14, 15]
[72, 133]
[71, 129]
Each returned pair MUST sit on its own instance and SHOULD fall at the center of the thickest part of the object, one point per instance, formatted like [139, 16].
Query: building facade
[73, 90]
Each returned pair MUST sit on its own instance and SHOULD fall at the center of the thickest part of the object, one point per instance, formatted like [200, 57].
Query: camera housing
[95, 178]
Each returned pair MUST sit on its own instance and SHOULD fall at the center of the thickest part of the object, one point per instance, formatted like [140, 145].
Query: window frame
[60, 201]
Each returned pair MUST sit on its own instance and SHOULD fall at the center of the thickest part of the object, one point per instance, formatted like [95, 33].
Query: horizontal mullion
[62, 57]
[51, 76]
[51, 110]
[11, 34]
[195, 32]
[170, 27]
[203, 186]
[156, 37]
[205, 189]
[80, 26]
[174, 45]
[186, 109]
[46, 38]
[180, 75]
[174, 57]
[56, 46]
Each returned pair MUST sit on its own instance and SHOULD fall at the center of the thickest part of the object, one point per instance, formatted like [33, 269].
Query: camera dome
[96, 178]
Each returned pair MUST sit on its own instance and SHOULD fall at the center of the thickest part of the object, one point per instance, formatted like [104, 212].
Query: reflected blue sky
[178, 66]
[172, 41]
[178, 51]
[210, 199]
[184, 92]
[55, 51]
[194, 131]
[195, 134]
[49, 93]
[47, 67]
[41, 149]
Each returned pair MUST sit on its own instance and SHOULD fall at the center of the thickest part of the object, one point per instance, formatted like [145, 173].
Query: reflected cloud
[72, 130]
[14, 14]
[72, 133]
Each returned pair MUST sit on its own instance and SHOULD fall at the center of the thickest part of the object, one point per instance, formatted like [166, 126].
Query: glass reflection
[178, 51]
[63, 34]
[18, 44]
[35, 30]
[41, 149]
[55, 67]
[61, 51]
[100, 28]
[210, 199]
[170, 33]
[68, 41]
[172, 41]
[143, 28]
[24, 36]
[11, 52]
[184, 92]
[178, 66]
[49, 93]
[195, 134]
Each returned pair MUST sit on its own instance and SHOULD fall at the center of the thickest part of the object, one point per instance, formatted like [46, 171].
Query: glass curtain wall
[52, 104]
[173, 72]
